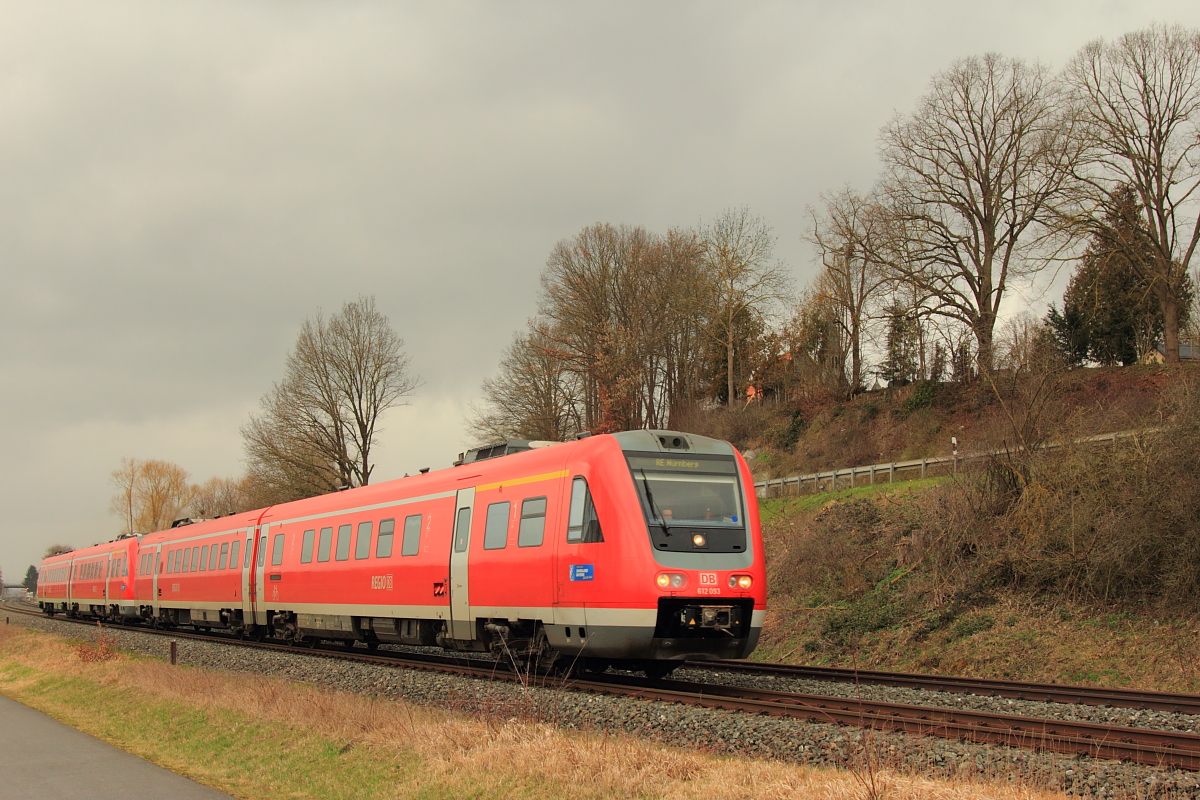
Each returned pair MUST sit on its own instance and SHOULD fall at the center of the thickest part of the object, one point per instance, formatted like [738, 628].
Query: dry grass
[465, 756]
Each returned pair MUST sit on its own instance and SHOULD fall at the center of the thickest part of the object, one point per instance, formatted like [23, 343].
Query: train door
[460, 551]
[156, 567]
[260, 560]
[246, 557]
[576, 551]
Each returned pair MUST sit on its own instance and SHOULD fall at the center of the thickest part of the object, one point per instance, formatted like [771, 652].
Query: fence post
[892, 472]
[923, 468]
[853, 470]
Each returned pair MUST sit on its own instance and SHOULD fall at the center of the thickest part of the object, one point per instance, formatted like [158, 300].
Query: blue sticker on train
[583, 572]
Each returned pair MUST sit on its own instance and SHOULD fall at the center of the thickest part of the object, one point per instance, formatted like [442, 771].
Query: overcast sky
[183, 183]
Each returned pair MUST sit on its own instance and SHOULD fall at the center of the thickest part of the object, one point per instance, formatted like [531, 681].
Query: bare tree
[816, 343]
[1138, 100]
[127, 479]
[618, 311]
[850, 236]
[534, 395]
[742, 277]
[150, 494]
[220, 496]
[318, 425]
[974, 178]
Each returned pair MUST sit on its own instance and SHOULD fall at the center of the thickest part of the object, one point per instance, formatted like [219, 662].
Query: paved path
[43, 759]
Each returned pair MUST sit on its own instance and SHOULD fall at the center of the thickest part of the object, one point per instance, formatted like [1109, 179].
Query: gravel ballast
[714, 730]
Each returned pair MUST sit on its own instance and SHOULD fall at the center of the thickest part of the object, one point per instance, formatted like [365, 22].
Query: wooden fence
[847, 477]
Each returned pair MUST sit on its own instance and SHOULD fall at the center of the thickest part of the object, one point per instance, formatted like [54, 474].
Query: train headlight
[700, 540]
[742, 582]
[671, 580]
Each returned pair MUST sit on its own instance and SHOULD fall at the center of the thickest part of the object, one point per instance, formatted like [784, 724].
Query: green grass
[771, 509]
[226, 750]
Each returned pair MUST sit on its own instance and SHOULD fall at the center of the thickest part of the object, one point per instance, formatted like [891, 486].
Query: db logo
[708, 579]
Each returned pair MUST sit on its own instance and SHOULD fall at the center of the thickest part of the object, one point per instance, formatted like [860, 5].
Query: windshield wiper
[653, 507]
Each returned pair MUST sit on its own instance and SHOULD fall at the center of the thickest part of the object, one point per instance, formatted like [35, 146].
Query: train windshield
[694, 491]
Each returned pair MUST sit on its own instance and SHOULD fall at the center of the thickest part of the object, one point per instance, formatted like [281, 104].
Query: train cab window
[124, 567]
[277, 550]
[362, 544]
[411, 545]
[306, 547]
[204, 558]
[583, 525]
[462, 530]
[212, 558]
[234, 551]
[224, 555]
[326, 542]
[262, 549]
[383, 545]
[495, 531]
[533, 522]
[343, 543]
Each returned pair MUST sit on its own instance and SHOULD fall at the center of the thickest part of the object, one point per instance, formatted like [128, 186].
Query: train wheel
[657, 670]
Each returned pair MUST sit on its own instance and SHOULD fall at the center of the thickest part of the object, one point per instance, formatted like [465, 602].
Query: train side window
[362, 544]
[249, 553]
[224, 555]
[187, 559]
[124, 567]
[306, 547]
[411, 545]
[533, 522]
[277, 550]
[204, 558]
[343, 543]
[495, 531]
[583, 525]
[383, 545]
[196, 558]
[212, 558]
[170, 561]
[158, 563]
[262, 549]
[462, 530]
[234, 551]
[326, 541]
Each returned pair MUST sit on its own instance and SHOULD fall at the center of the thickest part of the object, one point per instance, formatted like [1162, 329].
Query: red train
[638, 549]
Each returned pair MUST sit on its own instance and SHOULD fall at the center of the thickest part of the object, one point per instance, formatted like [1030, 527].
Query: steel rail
[1140, 745]
[1017, 690]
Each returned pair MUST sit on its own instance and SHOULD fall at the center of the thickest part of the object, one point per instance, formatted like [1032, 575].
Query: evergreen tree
[1110, 310]
[1070, 332]
[899, 367]
[31, 578]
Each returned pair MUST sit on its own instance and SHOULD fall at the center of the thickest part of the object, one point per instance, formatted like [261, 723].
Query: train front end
[704, 541]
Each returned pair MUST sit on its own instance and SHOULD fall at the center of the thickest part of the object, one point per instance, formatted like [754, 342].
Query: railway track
[1139, 745]
[1017, 690]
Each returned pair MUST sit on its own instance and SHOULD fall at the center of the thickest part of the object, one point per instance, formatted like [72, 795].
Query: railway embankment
[941, 577]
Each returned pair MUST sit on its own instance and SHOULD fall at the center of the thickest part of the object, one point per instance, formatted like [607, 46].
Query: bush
[922, 396]
[970, 626]
[1087, 522]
